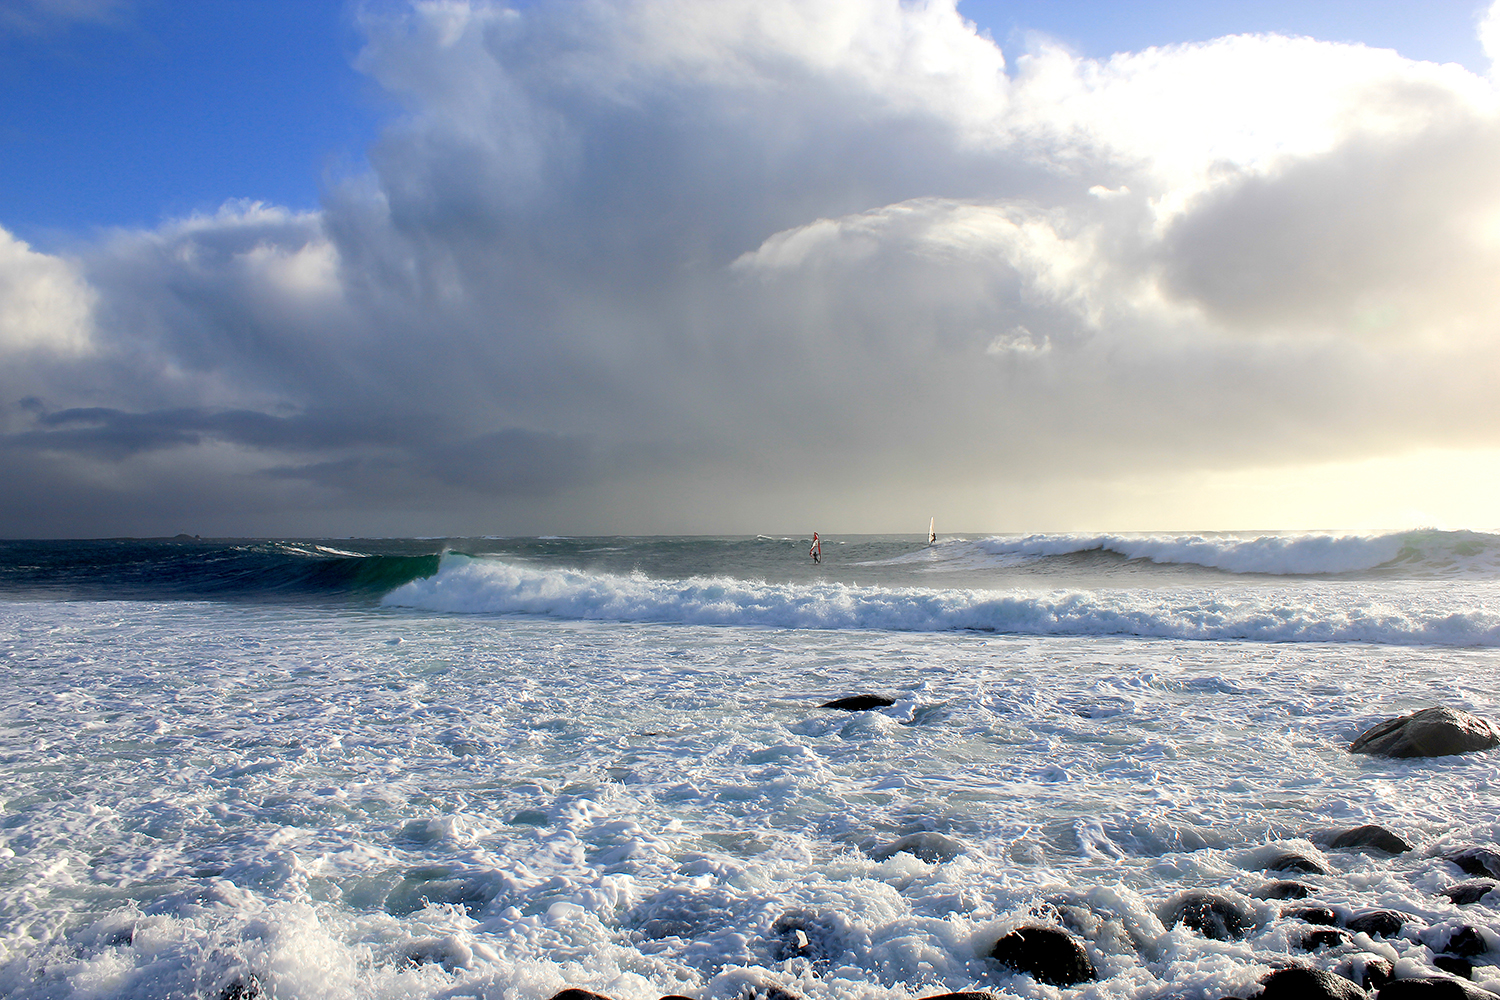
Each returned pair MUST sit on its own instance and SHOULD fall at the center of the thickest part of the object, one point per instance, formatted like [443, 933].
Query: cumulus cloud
[45, 305]
[622, 260]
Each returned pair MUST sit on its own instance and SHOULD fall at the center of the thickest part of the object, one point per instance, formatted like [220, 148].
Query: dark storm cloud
[623, 263]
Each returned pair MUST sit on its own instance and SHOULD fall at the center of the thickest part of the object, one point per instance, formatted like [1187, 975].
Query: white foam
[505, 806]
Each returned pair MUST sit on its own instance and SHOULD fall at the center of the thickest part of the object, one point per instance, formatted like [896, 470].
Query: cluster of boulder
[1056, 956]
[1055, 953]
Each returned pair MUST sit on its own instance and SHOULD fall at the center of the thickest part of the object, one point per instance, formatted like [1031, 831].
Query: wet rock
[1476, 861]
[1313, 915]
[1432, 732]
[1326, 937]
[1369, 971]
[1469, 892]
[1467, 942]
[965, 995]
[572, 994]
[1301, 983]
[1293, 862]
[675, 996]
[1460, 967]
[1211, 915]
[771, 993]
[1048, 954]
[242, 988]
[859, 702]
[1371, 835]
[930, 847]
[799, 934]
[1283, 890]
[1432, 988]
[1377, 923]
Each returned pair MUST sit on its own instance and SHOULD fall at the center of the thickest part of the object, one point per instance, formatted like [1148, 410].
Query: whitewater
[498, 768]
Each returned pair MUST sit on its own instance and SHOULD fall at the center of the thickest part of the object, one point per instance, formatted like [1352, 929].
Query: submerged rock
[800, 934]
[1301, 983]
[1377, 923]
[1466, 942]
[1294, 862]
[1211, 915]
[1050, 955]
[242, 988]
[1371, 972]
[1432, 732]
[1460, 967]
[1432, 988]
[930, 847]
[859, 702]
[1324, 937]
[1313, 915]
[1469, 892]
[1476, 861]
[1283, 890]
[1371, 835]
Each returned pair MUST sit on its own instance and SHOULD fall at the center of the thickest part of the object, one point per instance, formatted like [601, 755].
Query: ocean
[497, 768]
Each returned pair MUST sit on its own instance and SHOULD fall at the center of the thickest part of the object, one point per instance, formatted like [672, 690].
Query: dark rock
[965, 995]
[859, 702]
[572, 994]
[242, 988]
[1377, 923]
[675, 996]
[1369, 971]
[1050, 955]
[1460, 967]
[1466, 941]
[1432, 732]
[1313, 915]
[1469, 892]
[1476, 861]
[1432, 988]
[772, 993]
[1283, 890]
[805, 935]
[1293, 862]
[930, 847]
[1377, 837]
[1213, 916]
[1301, 983]
[1326, 937]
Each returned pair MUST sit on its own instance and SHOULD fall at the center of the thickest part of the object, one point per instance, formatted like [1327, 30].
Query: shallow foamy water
[393, 803]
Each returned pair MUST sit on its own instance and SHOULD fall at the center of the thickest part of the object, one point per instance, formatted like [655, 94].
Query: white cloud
[45, 305]
[778, 248]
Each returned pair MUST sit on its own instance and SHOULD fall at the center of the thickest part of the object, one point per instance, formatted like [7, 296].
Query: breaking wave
[1337, 612]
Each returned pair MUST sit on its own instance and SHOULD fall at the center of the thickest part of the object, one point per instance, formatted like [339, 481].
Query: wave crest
[1333, 614]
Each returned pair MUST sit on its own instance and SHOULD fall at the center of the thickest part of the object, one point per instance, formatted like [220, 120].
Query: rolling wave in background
[168, 569]
[1423, 554]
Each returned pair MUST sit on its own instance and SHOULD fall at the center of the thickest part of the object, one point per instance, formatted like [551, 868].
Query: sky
[459, 267]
